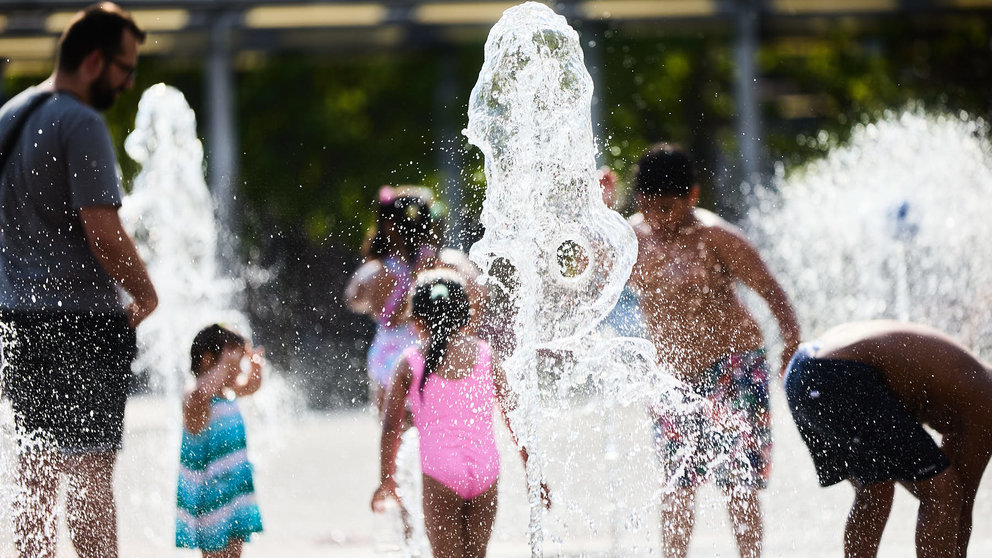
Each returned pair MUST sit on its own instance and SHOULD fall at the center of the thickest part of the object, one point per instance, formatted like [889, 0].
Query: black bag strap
[15, 131]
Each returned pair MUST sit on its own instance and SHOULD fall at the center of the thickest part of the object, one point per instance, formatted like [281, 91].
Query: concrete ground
[315, 473]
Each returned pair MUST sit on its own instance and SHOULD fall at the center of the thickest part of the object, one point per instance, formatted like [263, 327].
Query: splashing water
[570, 256]
[171, 215]
[892, 225]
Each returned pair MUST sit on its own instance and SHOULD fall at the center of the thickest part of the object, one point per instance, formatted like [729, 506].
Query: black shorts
[854, 426]
[67, 378]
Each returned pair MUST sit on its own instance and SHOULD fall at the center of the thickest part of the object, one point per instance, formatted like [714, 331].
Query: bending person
[860, 395]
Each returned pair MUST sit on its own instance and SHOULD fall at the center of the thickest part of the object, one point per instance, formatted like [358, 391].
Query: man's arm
[743, 262]
[969, 455]
[117, 254]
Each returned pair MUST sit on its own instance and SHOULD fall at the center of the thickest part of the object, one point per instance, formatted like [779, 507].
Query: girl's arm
[507, 400]
[392, 429]
[360, 293]
[196, 406]
[247, 385]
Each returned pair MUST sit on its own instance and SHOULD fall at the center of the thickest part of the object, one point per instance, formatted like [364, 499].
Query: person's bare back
[941, 382]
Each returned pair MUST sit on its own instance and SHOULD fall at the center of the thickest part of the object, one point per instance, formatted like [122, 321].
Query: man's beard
[102, 95]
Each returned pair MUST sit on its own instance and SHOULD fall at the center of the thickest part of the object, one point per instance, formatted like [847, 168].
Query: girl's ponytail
[441, 304]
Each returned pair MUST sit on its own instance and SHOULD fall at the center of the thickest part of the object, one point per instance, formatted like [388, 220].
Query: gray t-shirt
[64, 160]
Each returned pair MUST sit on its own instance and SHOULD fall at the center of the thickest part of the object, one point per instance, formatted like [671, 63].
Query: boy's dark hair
[98, 27]
[441, 304]
[664, 170]
[411, 216]
[211, 340]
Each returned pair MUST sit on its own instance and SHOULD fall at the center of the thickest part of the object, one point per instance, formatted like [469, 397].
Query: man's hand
[115, 251]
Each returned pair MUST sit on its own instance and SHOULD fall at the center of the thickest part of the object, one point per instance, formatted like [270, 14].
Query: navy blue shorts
[67, 378]
[853, 425]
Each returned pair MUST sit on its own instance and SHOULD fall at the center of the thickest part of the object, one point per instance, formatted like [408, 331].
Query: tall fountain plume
[893, 224]
[171, 215]
[570, 257]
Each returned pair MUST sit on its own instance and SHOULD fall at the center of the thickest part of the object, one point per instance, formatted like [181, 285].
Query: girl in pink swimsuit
[451, 390]
[401, 244]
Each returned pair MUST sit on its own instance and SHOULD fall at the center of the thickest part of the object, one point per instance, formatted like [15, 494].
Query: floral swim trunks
[732, 442]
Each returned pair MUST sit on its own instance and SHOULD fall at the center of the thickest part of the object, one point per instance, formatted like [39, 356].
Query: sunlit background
[306, 108]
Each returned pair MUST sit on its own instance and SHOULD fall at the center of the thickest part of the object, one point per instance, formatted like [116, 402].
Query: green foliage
[319, 137]
[319, 134]
[850, 76]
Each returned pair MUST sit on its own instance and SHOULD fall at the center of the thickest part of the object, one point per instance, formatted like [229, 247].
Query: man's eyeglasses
[128, 69]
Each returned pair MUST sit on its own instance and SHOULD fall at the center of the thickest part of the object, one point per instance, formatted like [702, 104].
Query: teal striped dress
[215, 494]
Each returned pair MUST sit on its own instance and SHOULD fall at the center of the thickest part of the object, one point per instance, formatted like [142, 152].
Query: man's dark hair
[664, 170]
[211, 340]
[98, 27]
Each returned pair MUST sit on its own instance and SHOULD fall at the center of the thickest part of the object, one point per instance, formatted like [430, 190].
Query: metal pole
[221, 132]
[591, 41]
[748, 114]
[447, 150]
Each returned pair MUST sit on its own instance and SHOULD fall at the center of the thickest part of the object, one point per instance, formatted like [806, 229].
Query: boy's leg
[443, 519]
[867, 519]
[35, 529]
[479, 514]
[969, 457]
[91, 513]
[678, 515]
[745, 518]
[941, 502]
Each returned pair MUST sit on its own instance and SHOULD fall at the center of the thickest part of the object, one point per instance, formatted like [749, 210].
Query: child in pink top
[451, 391]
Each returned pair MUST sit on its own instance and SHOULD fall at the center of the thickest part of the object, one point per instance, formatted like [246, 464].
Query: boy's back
[938, 380]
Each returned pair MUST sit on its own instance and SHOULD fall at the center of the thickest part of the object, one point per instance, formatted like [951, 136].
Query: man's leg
[745, 518]
[90, 509]
[678, 515]
[941, 503]
[35, 528]
[867, 519]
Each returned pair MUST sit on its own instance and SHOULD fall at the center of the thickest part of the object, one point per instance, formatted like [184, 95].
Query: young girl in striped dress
[216, 495]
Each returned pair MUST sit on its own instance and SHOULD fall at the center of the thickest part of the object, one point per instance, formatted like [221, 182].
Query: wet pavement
[315, 473]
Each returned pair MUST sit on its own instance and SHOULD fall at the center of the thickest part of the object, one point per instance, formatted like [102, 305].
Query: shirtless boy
[859, 396]
[688, 264]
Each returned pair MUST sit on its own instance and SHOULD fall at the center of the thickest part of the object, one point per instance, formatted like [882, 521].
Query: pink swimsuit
[455, 420]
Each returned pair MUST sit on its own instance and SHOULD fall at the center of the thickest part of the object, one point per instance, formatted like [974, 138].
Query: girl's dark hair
[441, 304]
[211, 340]
[410, 216]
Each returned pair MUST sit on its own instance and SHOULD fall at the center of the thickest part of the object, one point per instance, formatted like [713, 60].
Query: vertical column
[3, 81]
[447, 148]
[591, 39]
[748, 114]
[221, 130]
